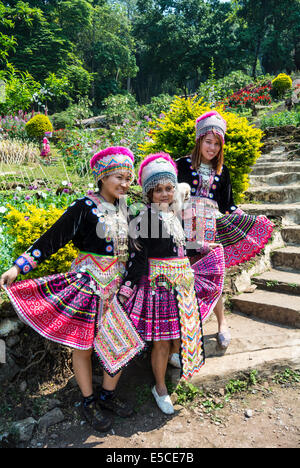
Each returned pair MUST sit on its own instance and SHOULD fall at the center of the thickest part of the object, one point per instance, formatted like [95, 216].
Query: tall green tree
[262, 19]
[107, 50]
[176, 40]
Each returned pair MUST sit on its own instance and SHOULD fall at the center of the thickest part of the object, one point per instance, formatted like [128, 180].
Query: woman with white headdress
[214, 212]
[158, 290]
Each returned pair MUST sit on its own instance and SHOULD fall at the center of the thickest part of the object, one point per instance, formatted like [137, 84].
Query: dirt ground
[265, 414]
[266, 417]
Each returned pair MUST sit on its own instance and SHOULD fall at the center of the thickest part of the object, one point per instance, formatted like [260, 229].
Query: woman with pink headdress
[69, 308]
[214, 213]
[45, 152]
[158, 290]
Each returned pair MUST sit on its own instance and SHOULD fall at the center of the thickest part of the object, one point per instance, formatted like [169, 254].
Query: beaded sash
[177, 275]
[116, 342]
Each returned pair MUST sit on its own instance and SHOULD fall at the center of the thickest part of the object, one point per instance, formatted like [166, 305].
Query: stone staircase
[275, 182]
[265, 322]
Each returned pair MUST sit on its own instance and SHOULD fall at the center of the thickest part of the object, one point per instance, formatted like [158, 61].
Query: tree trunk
[257, 50]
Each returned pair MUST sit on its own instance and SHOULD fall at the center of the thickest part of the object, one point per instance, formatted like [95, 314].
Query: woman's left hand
[213, 245]
[122, 299]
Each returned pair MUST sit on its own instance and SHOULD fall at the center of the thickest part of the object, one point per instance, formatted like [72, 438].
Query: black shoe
[93, 415]
[116, 406]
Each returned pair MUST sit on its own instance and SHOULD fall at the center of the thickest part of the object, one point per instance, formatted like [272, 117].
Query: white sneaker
[163, 402]
[174, 360]
[223, 339]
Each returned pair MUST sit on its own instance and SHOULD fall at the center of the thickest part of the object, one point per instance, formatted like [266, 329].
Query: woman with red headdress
[68, 308]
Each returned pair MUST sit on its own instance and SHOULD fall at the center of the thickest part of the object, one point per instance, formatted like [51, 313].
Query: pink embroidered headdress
[111, 160]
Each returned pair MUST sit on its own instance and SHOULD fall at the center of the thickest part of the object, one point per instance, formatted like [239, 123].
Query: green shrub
[280, 119]
[27, 226]
[20, 88]
[120, 107]
[213, 90]
[158, 105]
[75, 112]
[282, 83]
[37, 126]
[175, 134]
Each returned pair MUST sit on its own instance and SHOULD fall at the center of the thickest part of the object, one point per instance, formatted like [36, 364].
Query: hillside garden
[36, 188]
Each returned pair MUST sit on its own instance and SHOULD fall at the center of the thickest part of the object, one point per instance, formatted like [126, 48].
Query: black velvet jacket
[220, 191]
[153, 241]
[81, 223]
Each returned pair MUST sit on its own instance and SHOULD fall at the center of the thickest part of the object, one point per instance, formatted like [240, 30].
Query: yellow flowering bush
[175, 134]
[27, 226]
[282, 83]
[37, 126]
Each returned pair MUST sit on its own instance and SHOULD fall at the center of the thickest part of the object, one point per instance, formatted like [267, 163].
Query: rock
[248, 413]
[92, 121]
[4, 440]
[251, 288]
[54, 416]
[23, 386]
[23, 429]
[10, 327]
[9, 370]
[12, 341]
[53, 403]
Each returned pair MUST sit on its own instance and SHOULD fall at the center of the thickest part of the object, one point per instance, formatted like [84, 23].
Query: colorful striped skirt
[242, 236]
[165, 307]
[154, 313]
[65, 308]
[209, 272]
[79, 309]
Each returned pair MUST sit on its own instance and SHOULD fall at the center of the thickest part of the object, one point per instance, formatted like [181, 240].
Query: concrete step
[275, 194]
[286, 257]
[255, 344]
[288, 213]
[270, 167]
[280, 153]
[273, 159]
[278, 178]
[291, 234]
[271, 306]
[279, 281]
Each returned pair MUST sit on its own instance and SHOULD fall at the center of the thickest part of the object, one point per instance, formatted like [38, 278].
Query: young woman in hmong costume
[158, 288]
[242, 236]
[66, 308]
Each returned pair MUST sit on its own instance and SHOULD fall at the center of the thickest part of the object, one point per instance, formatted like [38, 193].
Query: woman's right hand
[9, 276]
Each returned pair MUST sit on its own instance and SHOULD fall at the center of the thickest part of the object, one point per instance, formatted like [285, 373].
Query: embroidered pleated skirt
[242, 236]
[79, 309]
[209, 272]
[65, 308]
[165, 306]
